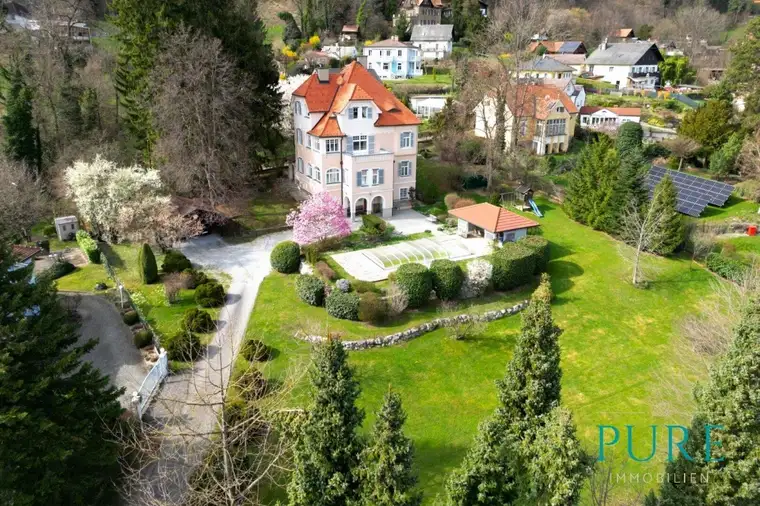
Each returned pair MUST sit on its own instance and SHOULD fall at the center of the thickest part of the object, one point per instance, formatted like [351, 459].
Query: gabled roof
[556, 46]
[350, 29]
[623, 53]
[24, 253]
[389, 43]
[432, 32]
[620, 111]
[492, 218]
[353, 82]
[546, 64]
[538, 101]
[570, 58]
[622, 33]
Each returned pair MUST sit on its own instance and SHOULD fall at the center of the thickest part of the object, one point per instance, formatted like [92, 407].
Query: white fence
[150, 384]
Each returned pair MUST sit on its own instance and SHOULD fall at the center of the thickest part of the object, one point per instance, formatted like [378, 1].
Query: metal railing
[142, 397]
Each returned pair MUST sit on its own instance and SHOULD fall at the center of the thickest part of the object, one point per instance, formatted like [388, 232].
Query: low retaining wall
[409, 334]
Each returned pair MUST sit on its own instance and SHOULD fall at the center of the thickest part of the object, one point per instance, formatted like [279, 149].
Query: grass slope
[618, 348]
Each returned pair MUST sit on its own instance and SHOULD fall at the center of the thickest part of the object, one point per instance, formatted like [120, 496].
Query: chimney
[323, 75]
[362, 60]
[604, 45]
[394, 37]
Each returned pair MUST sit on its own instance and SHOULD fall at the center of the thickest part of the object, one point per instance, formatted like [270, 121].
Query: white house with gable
[435, 41]
[393, 59]
[632, 65]
[349, 120]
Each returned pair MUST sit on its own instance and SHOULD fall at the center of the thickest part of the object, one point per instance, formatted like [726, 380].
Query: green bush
[513, 266]
[146, 261]
[416, 282]
[196, 278]
[473, 149]
[310, 289]
[311, 253]
[373, 225]
[49, 231]
[365, 286]
[254, 350]
[197, 320]
[447, 278]
[540, 247]
[372, 308]
[343, 305]
[143, 338]
[209, 294]
[286, 257]
[59, 269]
[130, 318]
[184, 345]
[726, 267]
[88, 246]
[174, 261]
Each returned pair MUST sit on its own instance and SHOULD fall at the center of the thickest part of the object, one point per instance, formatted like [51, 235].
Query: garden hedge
[310, 289]
[174, 261]
[447, 279]
[286, 257]
[416, 282]
[146, 261]
[726, 267]
[184, 345]
[89, 246]
[513, 266]
[197, 320]
[210, 294]
[373, 225]
[540, 247]
[372, 308]
[343, 305]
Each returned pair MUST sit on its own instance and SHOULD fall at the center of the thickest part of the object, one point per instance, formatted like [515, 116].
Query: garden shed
[492, 222]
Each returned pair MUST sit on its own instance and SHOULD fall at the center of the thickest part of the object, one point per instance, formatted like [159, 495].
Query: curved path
[187, 404]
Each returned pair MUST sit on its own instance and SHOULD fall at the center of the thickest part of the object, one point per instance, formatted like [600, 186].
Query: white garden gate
[150, 384]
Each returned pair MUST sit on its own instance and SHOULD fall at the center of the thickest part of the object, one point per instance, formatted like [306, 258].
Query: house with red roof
[492, 222]
[541, 117]
[355, 140]
[608, 118]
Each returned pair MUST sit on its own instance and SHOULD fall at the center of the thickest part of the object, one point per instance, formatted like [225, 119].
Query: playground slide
[535, 208]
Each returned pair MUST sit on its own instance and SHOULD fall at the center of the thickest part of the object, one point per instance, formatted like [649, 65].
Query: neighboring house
[433, 40]
[608, 118]
[24, 254]
[18, 16]
[622, 35]
[66, 227]
[348, 120]
[349, 33]
[545, 67]
[318, 58]
[393, 59]
[420, 12]
[559, 46]
[576, 61]
[492, 222]
[544, 115]
[576, 92]
[627, 64]
[340, 51]
[427, 106]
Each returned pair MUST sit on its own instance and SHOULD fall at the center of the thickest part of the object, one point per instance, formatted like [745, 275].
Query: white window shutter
[369, 112]
[371, 143]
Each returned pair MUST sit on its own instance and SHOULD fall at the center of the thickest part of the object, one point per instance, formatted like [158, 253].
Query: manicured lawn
[84, 279]
[267, 211]
[734, 208]
[621, 359]
[444, 79]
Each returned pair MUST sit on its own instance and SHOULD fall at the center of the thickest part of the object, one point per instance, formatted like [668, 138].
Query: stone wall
[409, 334]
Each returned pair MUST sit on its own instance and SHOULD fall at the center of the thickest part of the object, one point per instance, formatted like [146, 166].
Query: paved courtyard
[405, 222]
[377, 263]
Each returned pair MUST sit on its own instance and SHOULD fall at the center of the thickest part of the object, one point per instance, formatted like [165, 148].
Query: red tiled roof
[354, 82]
[620, 111]
[552, 46]
[622, 32]
[492, 218]
[24, 253]
[538, 100]
[350, 29]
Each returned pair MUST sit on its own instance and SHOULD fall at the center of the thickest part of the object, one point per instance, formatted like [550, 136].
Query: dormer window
[360, 112]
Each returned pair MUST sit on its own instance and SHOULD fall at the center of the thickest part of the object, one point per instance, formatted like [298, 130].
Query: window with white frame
[299, 165]
[403, 193]
[332, 176]
[363, 112]
[309, 170]
[407, 139]
[332, 145]
[385, 66]
[555, 127]
[308, 141]
[388, 53]
[375, 177]
[399, 52]
[299, 136]
[317, 174]
[364, 180]
[399, 66]
[405, 168]
[359, 142]
[317, 144]
[560, 109]
[297, 107]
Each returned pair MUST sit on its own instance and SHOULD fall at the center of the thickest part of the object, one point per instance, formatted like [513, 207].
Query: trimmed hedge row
[286, 257]
[726, 267]
[310, 289]
[416, 281]
[89, 246]
[343, 305]
[447, 277]
[513, 266]
[540, 247]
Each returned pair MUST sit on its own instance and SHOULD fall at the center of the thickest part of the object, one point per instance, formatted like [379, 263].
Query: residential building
[576, 92]
[627, 64]
[341, 50]
[545, 67]
[575, 61]
[355, 140]
[608, 118]
[393, 59]
[544, 115]
[434, 41]
[318, 58]
[427, 106]
[558, 46]
[491, 222]
[622, 35]
[349, 34]
[420, 12]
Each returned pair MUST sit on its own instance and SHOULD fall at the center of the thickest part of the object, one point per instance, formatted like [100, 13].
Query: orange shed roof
[353, 82]
[620, 111]
[492, 218]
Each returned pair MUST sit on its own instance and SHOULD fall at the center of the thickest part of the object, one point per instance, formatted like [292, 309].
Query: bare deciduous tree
[681, 147]
[639, 228]
[203, 115]
[22, 201]
[697, 23]
[604, 480]
[749, 158]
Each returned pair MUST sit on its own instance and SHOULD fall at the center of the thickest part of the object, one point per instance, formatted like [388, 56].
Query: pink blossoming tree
[319, 217]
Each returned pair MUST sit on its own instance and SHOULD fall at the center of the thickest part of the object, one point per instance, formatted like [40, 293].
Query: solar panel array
[694, 193]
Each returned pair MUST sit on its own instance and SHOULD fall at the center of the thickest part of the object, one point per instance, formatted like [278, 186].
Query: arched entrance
[360, 207]
[377, 205]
